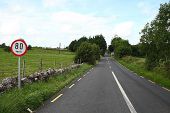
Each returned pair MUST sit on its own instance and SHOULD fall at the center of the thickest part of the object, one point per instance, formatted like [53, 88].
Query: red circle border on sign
[21, 40]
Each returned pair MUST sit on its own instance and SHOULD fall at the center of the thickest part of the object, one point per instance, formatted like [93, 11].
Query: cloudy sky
[50, 22]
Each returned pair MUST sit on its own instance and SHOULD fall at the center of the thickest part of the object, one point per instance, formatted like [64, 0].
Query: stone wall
[11, 82]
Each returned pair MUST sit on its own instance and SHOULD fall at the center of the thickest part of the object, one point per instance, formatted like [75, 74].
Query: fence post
[41, 64]
[61, 65]
[23, 69]
[55, 63]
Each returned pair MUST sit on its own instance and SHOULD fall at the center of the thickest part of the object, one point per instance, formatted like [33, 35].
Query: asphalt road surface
[109, 88]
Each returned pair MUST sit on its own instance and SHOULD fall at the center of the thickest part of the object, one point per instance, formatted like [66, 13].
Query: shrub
[86, 52]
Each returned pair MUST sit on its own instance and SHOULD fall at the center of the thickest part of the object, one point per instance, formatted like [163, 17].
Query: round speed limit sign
[19, 47]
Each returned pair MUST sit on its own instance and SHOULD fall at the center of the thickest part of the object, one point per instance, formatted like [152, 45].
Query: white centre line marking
[71, 85]
[129, 104]
[79, 79]
[57, 98]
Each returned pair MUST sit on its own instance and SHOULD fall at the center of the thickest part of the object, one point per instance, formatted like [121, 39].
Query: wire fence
[29, 67]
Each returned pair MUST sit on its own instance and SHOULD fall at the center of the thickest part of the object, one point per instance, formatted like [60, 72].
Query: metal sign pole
[19, 76]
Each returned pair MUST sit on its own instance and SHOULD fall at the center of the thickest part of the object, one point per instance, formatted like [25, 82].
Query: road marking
[79, 79]
[71, 85]
[165, 88]
[57, 98]
[30, 110]
[141, 76]
[129, 104]
[84, 75]
[151, 81]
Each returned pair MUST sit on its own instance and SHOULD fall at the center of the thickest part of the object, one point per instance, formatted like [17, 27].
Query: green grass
[8, 62]
[32, 96]
[137, 65]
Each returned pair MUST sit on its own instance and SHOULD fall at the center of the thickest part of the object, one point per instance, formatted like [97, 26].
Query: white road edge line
[57, 98]
[151, 81]
[129, 104]
[84, 75]
[165, 88]
[79, 79]
[30, 110]
[141, 76]
[71, 85]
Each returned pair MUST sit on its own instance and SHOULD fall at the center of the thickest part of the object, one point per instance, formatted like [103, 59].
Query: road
[109, 88]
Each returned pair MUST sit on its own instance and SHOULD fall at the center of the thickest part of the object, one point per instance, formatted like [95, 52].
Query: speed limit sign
[19, 48]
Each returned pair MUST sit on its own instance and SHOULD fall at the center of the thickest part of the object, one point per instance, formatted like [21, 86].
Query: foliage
[86, 53]
[155, 38]
[137, 50]
[72, 46]
[29, 47]
[3, 45]
[111, 48]
[98, 40]
[121, 47]
[96, 51]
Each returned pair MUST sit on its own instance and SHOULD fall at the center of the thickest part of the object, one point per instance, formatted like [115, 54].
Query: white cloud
[124, 29]
[54, 3]
[49, 29]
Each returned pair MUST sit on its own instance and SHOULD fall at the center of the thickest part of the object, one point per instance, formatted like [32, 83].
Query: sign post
[19, 48]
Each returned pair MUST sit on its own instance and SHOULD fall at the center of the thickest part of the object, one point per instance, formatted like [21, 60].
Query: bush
[86, 53]
[7, 49]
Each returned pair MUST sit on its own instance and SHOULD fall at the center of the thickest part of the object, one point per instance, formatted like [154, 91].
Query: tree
[121, 47]
[96, 51]
[155, 38]
[111, 48]
[3, 45]
[100, 41]
[29, 47]
[72, 46]
[85, 53]
[7, 49]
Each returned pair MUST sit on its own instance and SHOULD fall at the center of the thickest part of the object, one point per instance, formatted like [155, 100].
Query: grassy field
[138, 66]
[50, 59]
[32, 96]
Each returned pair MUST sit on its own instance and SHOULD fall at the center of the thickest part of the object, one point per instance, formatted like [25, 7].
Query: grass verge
[32, 96]
[33, 58]
[138, 66]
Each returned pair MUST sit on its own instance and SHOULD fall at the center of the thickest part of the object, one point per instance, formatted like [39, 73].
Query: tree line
[88, 49]
[7, 48]
[154, 42]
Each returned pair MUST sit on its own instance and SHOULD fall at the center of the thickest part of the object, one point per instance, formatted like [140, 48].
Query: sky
[47, 23]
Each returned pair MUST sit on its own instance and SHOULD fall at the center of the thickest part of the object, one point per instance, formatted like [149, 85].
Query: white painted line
[79, 79]
[71, 85]
[129, 104]
[30, 110]
[84, 75]
[57, 98]
[151, 81]
[165, 88]
[141, 76]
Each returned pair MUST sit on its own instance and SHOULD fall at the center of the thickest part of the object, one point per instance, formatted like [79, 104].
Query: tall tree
[155, 38]
[100, 40]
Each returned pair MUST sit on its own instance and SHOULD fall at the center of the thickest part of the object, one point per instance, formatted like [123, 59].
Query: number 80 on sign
[19, 47]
